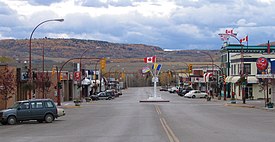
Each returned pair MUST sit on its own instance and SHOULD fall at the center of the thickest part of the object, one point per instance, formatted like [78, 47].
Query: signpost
[154, 72]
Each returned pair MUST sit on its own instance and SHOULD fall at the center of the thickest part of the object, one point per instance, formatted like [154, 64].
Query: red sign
[76, 75]
[262, 63]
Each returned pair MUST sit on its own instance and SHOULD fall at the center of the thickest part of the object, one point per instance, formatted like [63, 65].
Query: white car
[60, 112]
[196, 94]
[173, 89]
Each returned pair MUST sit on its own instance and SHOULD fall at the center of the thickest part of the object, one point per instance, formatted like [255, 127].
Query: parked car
[173, 89]
[35, 109]
[163, 88]
[60, 112]
[101, 96]
[184, 91]
[111, 93]
[196, 94]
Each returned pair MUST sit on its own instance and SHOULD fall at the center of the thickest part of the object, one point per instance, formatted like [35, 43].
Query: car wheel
[49, 118]
[11, 120]
[193, 96]
[205, 96]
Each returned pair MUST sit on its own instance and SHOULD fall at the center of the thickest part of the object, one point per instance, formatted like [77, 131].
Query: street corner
[240, 105]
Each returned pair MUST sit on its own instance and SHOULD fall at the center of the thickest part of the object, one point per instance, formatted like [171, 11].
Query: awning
[235, 79]
[206, 76]
[228, 79]
[250, 79]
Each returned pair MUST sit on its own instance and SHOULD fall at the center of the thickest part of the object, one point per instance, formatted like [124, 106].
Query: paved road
[125, 119]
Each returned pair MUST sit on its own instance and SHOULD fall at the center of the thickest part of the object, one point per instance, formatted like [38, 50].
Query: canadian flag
[245, 39]
[150, 59]
[229, 32]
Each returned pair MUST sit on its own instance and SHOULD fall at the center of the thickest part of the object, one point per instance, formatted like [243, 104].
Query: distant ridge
[56, 50]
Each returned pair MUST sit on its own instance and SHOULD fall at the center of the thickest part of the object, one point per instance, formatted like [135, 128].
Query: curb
[71, 106]
[240, 105]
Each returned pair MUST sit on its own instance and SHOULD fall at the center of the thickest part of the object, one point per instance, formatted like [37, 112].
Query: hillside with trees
[58, 50]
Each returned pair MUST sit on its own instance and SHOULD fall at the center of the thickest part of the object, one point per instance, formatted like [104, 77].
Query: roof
[236, 48]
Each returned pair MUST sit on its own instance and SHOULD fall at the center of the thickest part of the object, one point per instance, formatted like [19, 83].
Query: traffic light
[190, 68]
[34, 75]
[53, 71]
[61, 76]
[59, 85]
[102, 64]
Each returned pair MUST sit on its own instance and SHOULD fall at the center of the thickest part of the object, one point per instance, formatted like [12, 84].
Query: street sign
[262, 63]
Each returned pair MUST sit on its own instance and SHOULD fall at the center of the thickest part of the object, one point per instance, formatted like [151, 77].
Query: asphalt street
[125, 119]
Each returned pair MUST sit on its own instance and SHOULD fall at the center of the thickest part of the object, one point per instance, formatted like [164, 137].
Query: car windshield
[15, 105]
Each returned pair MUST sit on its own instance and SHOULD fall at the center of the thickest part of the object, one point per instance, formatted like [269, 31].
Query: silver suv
[36, 109]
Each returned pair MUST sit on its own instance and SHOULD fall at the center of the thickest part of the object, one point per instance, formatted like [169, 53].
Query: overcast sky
[169, 24]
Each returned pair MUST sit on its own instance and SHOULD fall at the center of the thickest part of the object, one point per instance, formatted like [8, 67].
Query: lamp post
[212, 65]
[58, 77]
[30, 47]
[231, 34]
[110, 71]
[80, 69]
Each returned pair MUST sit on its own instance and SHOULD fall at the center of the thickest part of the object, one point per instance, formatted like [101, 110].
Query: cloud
[170, 24]
[43, 2]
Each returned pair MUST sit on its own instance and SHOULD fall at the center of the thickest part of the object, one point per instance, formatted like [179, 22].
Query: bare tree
[7, 84]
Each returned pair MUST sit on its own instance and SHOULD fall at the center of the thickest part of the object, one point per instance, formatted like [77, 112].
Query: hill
[58, 50]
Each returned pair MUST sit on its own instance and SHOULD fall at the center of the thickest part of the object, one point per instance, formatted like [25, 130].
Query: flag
[154, 66]
[150, 59]
[224, 37]
[229, 32]
[245, 39]
[159, 67]
[145, 69]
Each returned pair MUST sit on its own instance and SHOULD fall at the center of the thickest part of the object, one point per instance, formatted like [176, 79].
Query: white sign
[155, 79]
[265, 76]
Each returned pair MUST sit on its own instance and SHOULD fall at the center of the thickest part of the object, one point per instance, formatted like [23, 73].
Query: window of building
[247, 68]
[234, 72]
[238, 69]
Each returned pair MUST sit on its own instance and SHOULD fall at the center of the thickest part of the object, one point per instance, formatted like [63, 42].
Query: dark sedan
[101, 96]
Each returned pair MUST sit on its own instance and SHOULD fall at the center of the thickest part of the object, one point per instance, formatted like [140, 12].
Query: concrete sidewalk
[257, 104]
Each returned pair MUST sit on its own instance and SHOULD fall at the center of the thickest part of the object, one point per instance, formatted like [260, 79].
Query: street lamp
[111, 69]
[234, 35]
[30, 48]
[80, 69]
[212, 67]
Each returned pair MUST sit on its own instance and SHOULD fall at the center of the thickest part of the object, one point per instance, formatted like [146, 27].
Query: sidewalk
[257, 104]
[71, 104]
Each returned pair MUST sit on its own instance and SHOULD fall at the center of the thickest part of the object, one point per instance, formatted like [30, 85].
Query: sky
[169, 24]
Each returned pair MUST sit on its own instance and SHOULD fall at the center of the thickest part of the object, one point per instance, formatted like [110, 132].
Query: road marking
[169, 132]
[158, 110]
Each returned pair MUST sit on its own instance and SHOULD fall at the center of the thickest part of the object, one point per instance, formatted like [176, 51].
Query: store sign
[262, 63]
[77, 75]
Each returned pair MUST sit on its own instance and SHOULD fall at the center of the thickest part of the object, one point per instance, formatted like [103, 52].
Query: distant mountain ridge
[63, 49]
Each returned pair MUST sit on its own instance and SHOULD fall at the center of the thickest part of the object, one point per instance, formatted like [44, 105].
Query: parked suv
[35, 109]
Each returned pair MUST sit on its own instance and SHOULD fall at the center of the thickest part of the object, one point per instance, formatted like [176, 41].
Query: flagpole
[155, 79]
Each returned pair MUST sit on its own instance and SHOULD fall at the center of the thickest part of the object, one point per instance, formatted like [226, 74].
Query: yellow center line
[169, 132]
